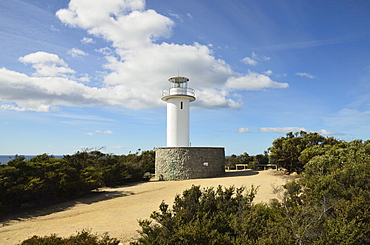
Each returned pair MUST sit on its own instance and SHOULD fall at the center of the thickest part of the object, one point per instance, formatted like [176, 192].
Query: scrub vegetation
[45, 180]
[82, 238]
[328, 204]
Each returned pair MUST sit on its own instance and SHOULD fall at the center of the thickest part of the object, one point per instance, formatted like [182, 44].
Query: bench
[246, 166]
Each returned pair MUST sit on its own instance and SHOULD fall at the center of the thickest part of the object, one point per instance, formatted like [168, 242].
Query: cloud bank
[138, 64]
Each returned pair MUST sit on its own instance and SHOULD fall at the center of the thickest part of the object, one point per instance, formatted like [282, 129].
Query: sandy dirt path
[117, 210]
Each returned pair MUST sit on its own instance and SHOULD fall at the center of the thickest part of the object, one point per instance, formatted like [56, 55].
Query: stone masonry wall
[179, 163]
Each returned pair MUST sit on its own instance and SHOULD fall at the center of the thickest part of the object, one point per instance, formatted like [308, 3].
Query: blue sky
[88, 74]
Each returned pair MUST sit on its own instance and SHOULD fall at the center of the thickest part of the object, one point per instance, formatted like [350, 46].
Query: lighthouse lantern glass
[179, 85]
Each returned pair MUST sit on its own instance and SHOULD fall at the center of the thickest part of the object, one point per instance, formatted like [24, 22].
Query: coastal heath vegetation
[328, 204]
[44, 180]
[81, 238]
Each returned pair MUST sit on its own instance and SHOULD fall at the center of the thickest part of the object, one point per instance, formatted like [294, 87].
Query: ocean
[4, 159]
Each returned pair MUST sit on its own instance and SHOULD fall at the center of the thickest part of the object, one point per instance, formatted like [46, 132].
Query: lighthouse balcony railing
[178, 91]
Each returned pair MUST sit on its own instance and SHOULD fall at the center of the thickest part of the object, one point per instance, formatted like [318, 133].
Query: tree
[286, 151]
[244, 158]
[261, 159]
[231, 161]
[44, 179]
[330, 204]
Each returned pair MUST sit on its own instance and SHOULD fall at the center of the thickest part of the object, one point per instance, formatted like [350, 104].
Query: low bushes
[82, 238]
[44, 179]
[329, 204]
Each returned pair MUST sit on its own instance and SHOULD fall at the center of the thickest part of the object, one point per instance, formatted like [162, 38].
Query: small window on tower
[181, 105]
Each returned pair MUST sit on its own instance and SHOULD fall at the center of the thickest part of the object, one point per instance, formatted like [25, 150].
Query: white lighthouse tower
[179, 161]
[178, 98]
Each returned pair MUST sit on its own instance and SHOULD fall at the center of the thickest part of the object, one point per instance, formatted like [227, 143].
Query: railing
[178, 91]
[245, 166]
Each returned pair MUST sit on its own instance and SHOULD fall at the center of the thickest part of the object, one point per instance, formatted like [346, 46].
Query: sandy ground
[117, 210]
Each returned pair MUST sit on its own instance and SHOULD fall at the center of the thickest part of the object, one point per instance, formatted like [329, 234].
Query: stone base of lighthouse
[180, 163]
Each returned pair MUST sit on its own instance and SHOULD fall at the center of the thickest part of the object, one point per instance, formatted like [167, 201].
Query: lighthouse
[178, 97]
[178, 160]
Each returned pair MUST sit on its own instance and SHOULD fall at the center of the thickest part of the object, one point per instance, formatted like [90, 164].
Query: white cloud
[116, 147]
[86, 40]
[243, 130]
[42, 93]
[260, 57]
[11, 107]
[125, 23]
[283, 130]
[105, 51]
[212, 98]
[326, 132]
[53, 28]
[351, 118]
[281, 75]
[253, 81]
[298, 129]
[268, 73]
[42, 57]
[249, 61]
[304, 74]
[104, 132]
[174, 15]
[100, 132]
[84, 78]
[254, 59]
[137, 66]
[46, 64]
[76, 53]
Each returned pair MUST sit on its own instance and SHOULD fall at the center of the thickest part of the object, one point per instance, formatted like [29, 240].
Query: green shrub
[329, 204]
[215, 216]
[44, 179]
[82, 238]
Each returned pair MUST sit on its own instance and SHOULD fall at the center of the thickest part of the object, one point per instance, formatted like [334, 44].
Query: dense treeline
[296, 149]
[291, 152]
[329, 204]
[44, 179]
[245, 158]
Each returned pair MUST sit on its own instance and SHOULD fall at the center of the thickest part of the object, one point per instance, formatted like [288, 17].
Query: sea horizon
[4, 159]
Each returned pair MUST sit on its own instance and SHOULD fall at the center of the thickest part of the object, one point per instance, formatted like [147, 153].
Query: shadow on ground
[59, 206]
[96, 196]
[235, 173]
